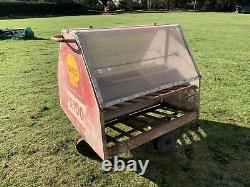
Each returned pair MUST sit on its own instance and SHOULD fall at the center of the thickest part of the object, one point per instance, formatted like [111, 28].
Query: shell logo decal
[73, 71]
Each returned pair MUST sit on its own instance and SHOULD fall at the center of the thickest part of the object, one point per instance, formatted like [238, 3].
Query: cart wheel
[165, 143]
[194, 126]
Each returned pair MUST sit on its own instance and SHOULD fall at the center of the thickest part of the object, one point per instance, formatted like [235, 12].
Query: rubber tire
[165, 143]
[194, 126]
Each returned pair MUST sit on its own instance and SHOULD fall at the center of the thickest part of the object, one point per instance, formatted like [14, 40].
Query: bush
[129, 5]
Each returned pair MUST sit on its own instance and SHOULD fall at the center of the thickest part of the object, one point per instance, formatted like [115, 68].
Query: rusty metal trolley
[124, 86]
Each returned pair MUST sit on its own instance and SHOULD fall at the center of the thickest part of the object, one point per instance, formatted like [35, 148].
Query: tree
[105, 2]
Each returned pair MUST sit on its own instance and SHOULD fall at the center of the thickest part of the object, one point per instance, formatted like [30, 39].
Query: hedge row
[205, 5]
[22, 9]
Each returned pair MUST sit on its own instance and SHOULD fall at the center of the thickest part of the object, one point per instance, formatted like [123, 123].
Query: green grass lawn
[37, 141]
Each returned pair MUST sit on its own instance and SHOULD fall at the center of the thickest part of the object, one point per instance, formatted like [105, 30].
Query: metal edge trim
[190, 51]
[89, 70]
[120, 27]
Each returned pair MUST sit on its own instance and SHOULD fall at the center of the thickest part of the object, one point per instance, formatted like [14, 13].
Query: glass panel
[129, 62]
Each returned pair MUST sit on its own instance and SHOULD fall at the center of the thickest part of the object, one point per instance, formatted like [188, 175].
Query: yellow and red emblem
[73, 71]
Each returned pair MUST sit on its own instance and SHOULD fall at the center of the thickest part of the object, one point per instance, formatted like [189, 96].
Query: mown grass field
[37, 141]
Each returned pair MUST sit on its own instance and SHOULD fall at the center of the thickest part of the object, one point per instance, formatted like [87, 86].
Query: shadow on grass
[210, 153]
[214, 153]
[84, 149]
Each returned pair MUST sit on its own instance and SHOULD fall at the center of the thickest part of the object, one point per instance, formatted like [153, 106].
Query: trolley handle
[60, 38]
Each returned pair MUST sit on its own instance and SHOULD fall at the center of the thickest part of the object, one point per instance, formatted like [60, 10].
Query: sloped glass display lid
[125, 63]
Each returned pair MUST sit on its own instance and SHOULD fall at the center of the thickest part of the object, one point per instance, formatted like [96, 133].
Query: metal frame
[159, 128]
[146, 114]
[147, 123]
[143, 102]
